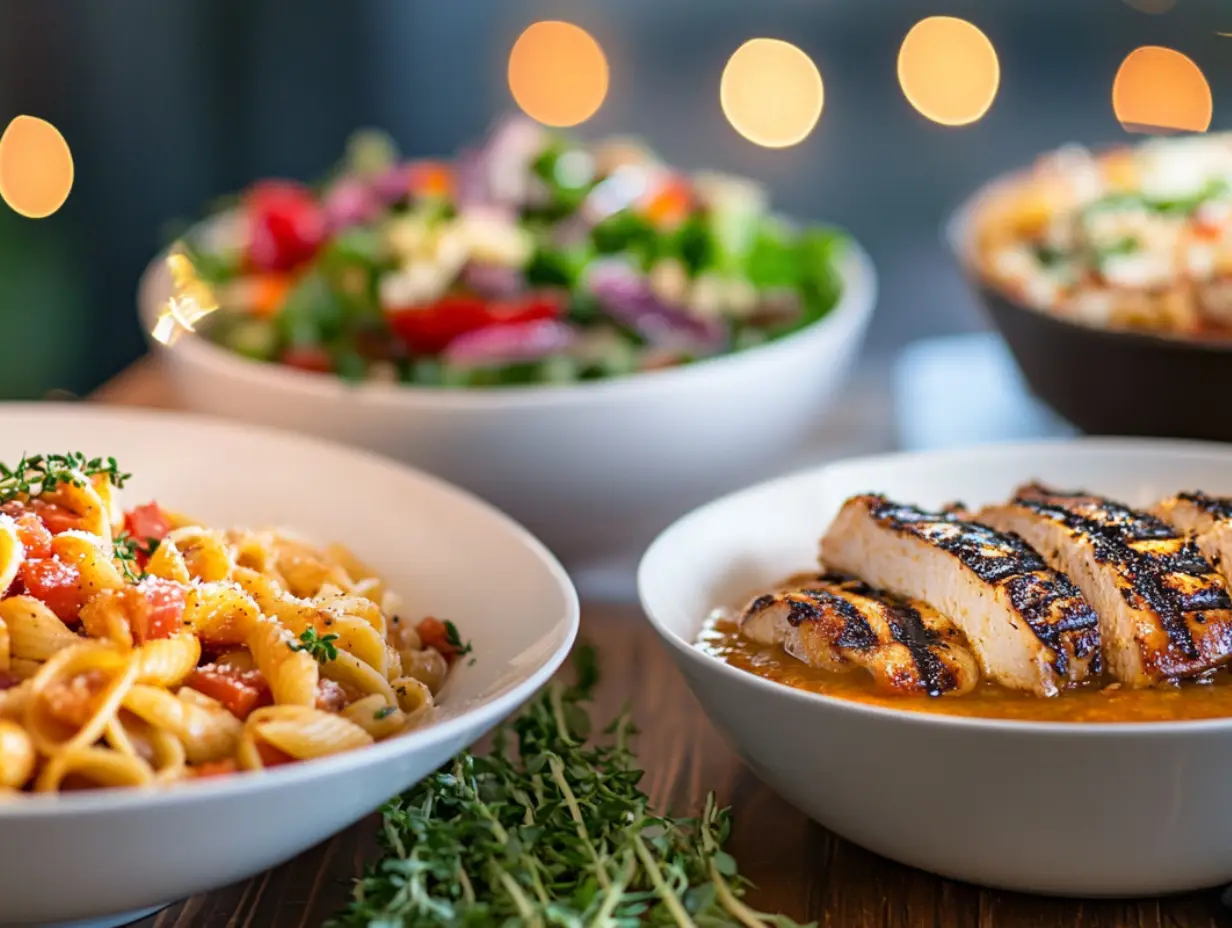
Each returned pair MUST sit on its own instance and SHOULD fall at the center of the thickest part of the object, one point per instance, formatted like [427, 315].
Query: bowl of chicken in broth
[1009, 665]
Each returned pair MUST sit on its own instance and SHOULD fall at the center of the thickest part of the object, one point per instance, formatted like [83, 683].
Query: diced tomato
[429, 329]
[215, 768]
[272, 756]
[308, 358]
[147, 523]
[433, 633]
[240, 691]
[34, 535]
[160, 611]
[430, 179]
[56, 584]
[287, 225]
[331, 697]
[72, 701]
[7, 681]
[57, 519]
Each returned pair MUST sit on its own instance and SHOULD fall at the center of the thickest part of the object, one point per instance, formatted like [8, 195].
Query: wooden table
[799, 868]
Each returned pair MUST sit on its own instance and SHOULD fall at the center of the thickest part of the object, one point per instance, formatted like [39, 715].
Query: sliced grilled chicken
[835, 622]
[1029, 626]
[1208, 519]
[1164, 611]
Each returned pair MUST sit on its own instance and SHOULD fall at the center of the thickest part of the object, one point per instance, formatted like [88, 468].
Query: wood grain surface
[799, 868]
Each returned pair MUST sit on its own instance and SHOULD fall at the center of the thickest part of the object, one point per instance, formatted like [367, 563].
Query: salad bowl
[128, 849]
[593, 459]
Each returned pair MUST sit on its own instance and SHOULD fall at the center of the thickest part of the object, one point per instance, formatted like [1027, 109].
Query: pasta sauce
[1208, 697]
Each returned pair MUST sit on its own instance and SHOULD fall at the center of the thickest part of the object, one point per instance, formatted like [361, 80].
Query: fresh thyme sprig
[37, 474]
[320, 647]
[558, 834]
[126, 549]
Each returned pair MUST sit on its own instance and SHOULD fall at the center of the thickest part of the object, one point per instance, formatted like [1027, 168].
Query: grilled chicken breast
[1029, 626]
[1164, 611]
[1208, 519]
[837, 622]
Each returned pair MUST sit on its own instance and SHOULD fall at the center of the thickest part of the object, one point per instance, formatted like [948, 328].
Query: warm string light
[1160, 88]
[36, 167]
[558, 73]
[948, 70]
[772, 93]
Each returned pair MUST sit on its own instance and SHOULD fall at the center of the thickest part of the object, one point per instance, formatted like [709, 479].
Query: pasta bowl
[129, 849]
[1069, 808]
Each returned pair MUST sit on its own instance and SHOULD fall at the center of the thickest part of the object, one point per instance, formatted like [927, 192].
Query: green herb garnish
[383, 713]
[126, 548]
[556, 833]
[37, 474]
[319, 647]
[455, 640]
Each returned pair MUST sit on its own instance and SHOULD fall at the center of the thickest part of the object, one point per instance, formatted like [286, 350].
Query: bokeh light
[948, 70]
[558, 73]
[1159, 88]
[771, 92]
[36, 167]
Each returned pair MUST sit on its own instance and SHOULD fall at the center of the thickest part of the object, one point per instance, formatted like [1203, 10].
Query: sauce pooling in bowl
[1207, 697]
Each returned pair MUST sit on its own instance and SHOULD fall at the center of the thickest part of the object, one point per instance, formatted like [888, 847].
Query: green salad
[532, 258]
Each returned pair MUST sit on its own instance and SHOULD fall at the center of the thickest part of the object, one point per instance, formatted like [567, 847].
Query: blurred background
[167, 103]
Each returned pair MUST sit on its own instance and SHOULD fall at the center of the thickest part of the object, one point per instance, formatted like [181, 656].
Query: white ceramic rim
[487, 713]
[859, 294]
[661, 545]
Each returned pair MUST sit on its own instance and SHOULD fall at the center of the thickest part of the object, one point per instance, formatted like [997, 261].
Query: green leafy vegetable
[319, 647]
[43, 473]
[556, 833]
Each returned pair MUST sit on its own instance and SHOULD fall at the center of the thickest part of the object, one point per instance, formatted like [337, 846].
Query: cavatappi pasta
[141, 648]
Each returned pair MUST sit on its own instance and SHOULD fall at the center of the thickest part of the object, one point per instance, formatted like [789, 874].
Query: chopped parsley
[383, 713]
[319, 647]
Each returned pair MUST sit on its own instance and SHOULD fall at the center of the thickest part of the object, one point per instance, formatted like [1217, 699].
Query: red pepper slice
[429, 329]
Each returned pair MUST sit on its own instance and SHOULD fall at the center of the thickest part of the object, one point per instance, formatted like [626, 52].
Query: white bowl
[1065, 809]
[100, 853]
[594, 469]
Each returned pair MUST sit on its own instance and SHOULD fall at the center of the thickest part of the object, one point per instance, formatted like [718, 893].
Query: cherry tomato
[287, 225]
[56, 518]
[272, 756]
[429, 329]
[56, 584]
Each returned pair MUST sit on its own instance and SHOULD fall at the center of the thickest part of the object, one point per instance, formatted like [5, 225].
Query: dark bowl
[1104, 381]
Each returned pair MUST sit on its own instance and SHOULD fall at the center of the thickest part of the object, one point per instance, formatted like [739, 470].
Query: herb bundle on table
[554, 833]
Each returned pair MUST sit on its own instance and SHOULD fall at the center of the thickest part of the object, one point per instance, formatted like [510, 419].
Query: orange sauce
[1097, 701]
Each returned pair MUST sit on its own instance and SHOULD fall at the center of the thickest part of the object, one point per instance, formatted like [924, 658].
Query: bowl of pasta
[242, 637]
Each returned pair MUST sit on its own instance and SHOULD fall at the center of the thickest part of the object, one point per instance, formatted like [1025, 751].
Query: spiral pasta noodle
[141, 648]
